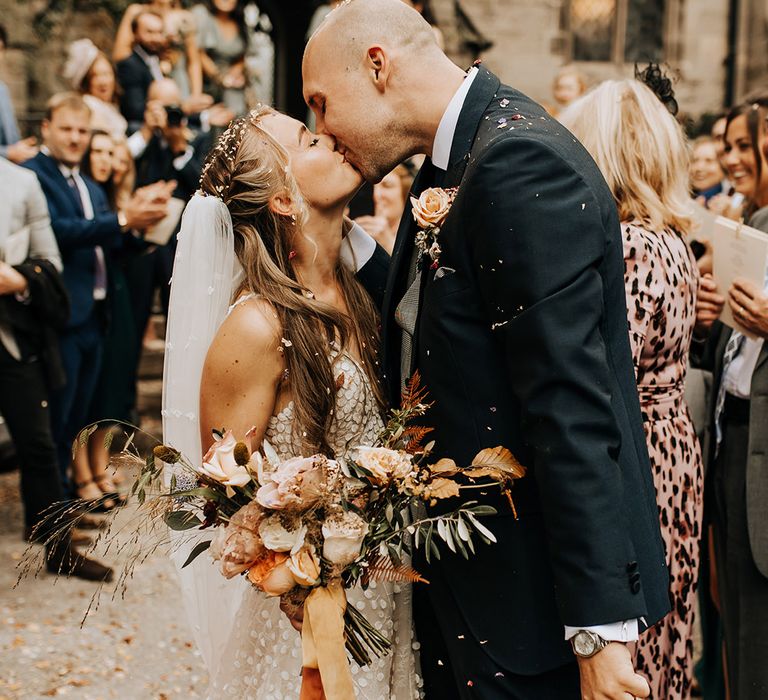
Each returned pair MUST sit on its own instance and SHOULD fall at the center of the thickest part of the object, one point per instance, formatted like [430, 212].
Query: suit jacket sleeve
[73, 232]
[538, 238]
[373, 275]
[42, 242]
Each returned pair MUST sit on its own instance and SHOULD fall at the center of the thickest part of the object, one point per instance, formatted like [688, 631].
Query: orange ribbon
[322, 641]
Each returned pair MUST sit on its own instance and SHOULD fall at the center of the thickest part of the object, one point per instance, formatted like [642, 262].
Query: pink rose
[431, 208]
[299, 482]
[238, 545]
[219, 463]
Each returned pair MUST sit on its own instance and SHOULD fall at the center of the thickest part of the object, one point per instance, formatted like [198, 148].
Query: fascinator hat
[82, 54]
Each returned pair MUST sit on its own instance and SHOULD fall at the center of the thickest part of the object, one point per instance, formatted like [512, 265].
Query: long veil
[205, 276]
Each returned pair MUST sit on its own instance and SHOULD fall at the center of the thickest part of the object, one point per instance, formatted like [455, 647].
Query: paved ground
[138, 648]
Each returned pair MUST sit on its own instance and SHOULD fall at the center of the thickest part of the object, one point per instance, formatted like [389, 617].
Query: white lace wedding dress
[262, 660]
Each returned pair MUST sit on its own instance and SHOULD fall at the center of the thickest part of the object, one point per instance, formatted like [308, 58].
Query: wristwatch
[586, 644]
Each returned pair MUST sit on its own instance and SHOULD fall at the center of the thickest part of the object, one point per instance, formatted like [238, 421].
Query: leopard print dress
[662, 280]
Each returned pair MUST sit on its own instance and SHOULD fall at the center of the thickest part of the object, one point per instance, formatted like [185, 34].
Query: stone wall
[530, 46]
[38, 40]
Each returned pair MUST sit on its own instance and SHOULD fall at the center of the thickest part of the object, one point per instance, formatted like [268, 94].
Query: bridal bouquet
[308, 528]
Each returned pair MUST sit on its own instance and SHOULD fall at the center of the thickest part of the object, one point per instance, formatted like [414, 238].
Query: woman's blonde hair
[641, 150]
[246, 169]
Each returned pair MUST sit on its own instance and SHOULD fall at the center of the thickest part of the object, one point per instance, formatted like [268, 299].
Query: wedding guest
[12, 146]
[223, 40]
[707, 173]
[614, 122]
[717, 132]
[569, 84]
[123, 174]
[90, 73]
[745, 161]
[136, 72]
[114, 396]
[33, 305]
[737, 478]
[389, 198]
[179, 54]
[84, 227]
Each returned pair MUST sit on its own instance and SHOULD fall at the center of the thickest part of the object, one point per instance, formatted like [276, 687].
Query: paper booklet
[161, 232]
[738, 251]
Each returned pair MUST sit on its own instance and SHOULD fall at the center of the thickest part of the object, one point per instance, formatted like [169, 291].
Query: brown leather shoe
[65, 560]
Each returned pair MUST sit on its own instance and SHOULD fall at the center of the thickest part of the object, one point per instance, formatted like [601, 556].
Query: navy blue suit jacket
[77, 236]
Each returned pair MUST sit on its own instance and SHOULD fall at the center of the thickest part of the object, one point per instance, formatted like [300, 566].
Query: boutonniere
[430, 211]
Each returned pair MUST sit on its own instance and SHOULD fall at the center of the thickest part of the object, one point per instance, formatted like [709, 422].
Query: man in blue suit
[12, 146]
[84, 227]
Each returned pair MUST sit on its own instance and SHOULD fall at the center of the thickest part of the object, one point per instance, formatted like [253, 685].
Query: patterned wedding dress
[262, 660]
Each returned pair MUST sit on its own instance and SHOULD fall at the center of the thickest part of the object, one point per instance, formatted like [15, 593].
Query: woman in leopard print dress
[641, 151]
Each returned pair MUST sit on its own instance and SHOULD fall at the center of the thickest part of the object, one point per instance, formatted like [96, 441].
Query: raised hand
[749, 306]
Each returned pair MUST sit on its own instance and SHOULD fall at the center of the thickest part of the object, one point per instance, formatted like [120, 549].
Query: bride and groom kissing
[514, 314]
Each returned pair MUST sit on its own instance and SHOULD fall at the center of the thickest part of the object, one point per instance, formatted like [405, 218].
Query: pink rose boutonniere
[430, 211]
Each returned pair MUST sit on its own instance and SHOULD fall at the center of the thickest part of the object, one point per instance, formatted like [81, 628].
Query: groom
[519, 330]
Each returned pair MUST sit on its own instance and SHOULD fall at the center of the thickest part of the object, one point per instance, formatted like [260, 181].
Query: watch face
[584, 644]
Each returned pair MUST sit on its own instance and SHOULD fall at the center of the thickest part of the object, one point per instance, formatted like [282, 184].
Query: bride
[274, 338]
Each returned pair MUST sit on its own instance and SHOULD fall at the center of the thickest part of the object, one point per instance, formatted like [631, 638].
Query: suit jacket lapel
[398, 272]
[483, 90]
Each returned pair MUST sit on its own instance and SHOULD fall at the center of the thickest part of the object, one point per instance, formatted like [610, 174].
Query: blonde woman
[643, 155]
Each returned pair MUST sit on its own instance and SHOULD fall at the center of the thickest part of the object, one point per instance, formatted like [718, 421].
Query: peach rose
[272, 575]
[219, 463]
[431, 208]
[343, 536]
[383, 464]
[305, 567]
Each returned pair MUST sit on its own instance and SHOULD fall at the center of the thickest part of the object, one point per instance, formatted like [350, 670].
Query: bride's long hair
[246, 169]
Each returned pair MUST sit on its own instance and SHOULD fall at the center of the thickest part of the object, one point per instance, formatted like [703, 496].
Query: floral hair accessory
[430, 211]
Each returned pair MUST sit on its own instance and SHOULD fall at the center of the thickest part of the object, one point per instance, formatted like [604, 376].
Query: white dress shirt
[624, 631]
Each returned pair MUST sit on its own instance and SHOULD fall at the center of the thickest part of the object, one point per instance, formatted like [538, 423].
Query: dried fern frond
[384, 569]
[413, 437]
[413, 394]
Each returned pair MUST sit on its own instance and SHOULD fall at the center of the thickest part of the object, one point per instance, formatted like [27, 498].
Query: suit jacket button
[635, 587]
[632, 567]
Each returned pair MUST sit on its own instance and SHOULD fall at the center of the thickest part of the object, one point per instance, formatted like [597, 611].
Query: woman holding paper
[614, 122]
[737, 480]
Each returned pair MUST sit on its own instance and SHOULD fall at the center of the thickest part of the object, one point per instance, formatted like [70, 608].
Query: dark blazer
[36, 323]
[156, 163]
[522, 341]
[77, 236]
[134, 78]
[709, 355]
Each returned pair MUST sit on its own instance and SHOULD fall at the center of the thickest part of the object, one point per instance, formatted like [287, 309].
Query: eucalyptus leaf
[180, 520]
[198, 549]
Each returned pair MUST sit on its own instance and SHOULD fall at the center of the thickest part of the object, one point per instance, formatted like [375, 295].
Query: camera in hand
[175, 115]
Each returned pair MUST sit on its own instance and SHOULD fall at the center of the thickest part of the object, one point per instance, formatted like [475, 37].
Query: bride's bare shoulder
[249, 339]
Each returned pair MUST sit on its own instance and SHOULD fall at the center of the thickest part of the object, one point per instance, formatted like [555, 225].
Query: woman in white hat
[91, 73]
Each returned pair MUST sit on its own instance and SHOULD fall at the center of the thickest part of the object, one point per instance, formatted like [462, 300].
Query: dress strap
[242, 300]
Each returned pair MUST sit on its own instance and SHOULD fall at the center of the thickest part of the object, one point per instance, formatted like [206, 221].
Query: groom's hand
[609, 675]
